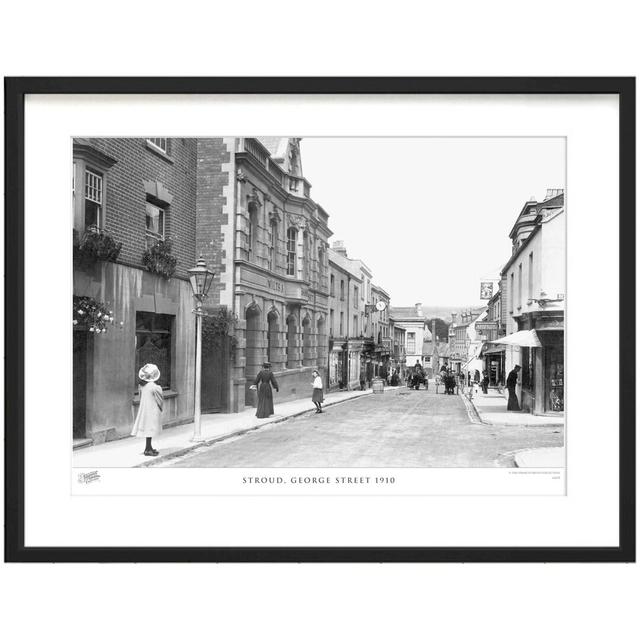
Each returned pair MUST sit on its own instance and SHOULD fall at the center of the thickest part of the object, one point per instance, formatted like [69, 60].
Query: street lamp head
[201, 279]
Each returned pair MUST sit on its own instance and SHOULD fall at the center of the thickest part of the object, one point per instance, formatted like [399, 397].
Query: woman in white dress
[148, 422]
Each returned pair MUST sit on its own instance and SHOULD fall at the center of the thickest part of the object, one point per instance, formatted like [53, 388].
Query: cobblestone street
[400, 428]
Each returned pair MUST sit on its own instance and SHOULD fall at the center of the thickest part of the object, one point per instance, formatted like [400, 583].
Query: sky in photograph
[430, 216]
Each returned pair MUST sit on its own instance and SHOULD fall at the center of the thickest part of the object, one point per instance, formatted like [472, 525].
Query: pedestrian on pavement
[512, 381]
[362, 380]
[148, 422]
[264, 381]
[485, 382]
[317, 398]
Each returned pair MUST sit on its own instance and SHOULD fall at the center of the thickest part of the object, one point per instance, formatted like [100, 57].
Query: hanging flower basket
[96, 245]
[91, 314]
[159, 259]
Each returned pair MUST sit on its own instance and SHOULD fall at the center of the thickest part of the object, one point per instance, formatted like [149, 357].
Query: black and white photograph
[318, 302]
[358, 316]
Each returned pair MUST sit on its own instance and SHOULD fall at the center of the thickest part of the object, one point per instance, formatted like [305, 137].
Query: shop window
[153, 344]
[528, 368]
[554, 376]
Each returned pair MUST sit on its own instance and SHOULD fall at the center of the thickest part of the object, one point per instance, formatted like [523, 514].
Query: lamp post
[200, 278]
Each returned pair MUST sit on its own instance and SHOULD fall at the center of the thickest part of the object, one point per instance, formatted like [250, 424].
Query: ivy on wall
[218, 328]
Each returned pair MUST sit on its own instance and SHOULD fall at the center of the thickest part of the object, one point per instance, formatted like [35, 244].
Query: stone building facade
[413, 321]
[280, 269]
[533, 301]
[347, 296]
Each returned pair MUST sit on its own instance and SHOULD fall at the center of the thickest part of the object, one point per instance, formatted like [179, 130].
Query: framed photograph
[243, 322]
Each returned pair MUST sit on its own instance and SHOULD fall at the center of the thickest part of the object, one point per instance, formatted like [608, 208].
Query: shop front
[494, 358]
[541, 346]
[553, 370]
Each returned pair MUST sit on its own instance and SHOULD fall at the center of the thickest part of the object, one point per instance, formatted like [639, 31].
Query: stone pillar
[279, 349]
[238, 379]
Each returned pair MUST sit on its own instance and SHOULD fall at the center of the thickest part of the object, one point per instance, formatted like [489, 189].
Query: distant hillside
[445, 312]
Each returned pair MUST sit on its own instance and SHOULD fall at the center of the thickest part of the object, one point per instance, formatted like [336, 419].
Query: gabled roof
[275, 145]
[281, 150]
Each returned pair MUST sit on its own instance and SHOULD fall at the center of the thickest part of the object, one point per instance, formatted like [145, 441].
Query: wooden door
[80, 339]
[215, 375]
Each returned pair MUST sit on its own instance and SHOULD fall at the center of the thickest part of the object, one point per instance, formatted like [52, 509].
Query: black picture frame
[15, 91]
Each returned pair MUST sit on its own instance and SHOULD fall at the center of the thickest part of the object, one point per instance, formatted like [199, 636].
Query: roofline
[521, 248]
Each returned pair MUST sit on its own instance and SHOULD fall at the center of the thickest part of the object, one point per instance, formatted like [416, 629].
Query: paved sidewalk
[492, 409]
[545, 457]
[127, 452]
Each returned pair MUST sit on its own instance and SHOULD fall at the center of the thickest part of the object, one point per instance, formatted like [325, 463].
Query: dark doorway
[215, 374]
[80, 351]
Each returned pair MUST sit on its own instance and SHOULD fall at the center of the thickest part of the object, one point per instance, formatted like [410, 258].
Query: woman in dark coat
[263, 383]
[512, 381]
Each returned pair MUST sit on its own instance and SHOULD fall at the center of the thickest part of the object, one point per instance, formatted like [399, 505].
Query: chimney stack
[418, 306]
[433, 330]
[338, 247]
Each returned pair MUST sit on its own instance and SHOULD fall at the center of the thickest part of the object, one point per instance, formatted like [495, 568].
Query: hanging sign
[486, 290]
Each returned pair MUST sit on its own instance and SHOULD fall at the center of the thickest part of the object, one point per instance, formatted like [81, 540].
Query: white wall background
[329, 38]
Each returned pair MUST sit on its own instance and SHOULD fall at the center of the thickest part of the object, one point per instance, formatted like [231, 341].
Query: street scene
[222, 317]
[401, 429]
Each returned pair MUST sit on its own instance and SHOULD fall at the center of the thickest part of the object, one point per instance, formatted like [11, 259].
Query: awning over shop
[521, 339]
[495, 349]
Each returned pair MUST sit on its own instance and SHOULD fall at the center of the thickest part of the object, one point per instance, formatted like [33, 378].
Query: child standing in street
[148, 422]
[317, 396]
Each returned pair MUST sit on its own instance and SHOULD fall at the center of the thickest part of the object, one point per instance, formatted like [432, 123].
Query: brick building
[138, 193]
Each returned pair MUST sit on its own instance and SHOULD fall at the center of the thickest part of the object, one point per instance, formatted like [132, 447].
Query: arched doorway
[306, 342]
[322, 346]
[292, 331]
[254, 347]
[272, 335]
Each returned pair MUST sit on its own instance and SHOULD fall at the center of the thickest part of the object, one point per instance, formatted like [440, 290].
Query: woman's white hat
[149, 373]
